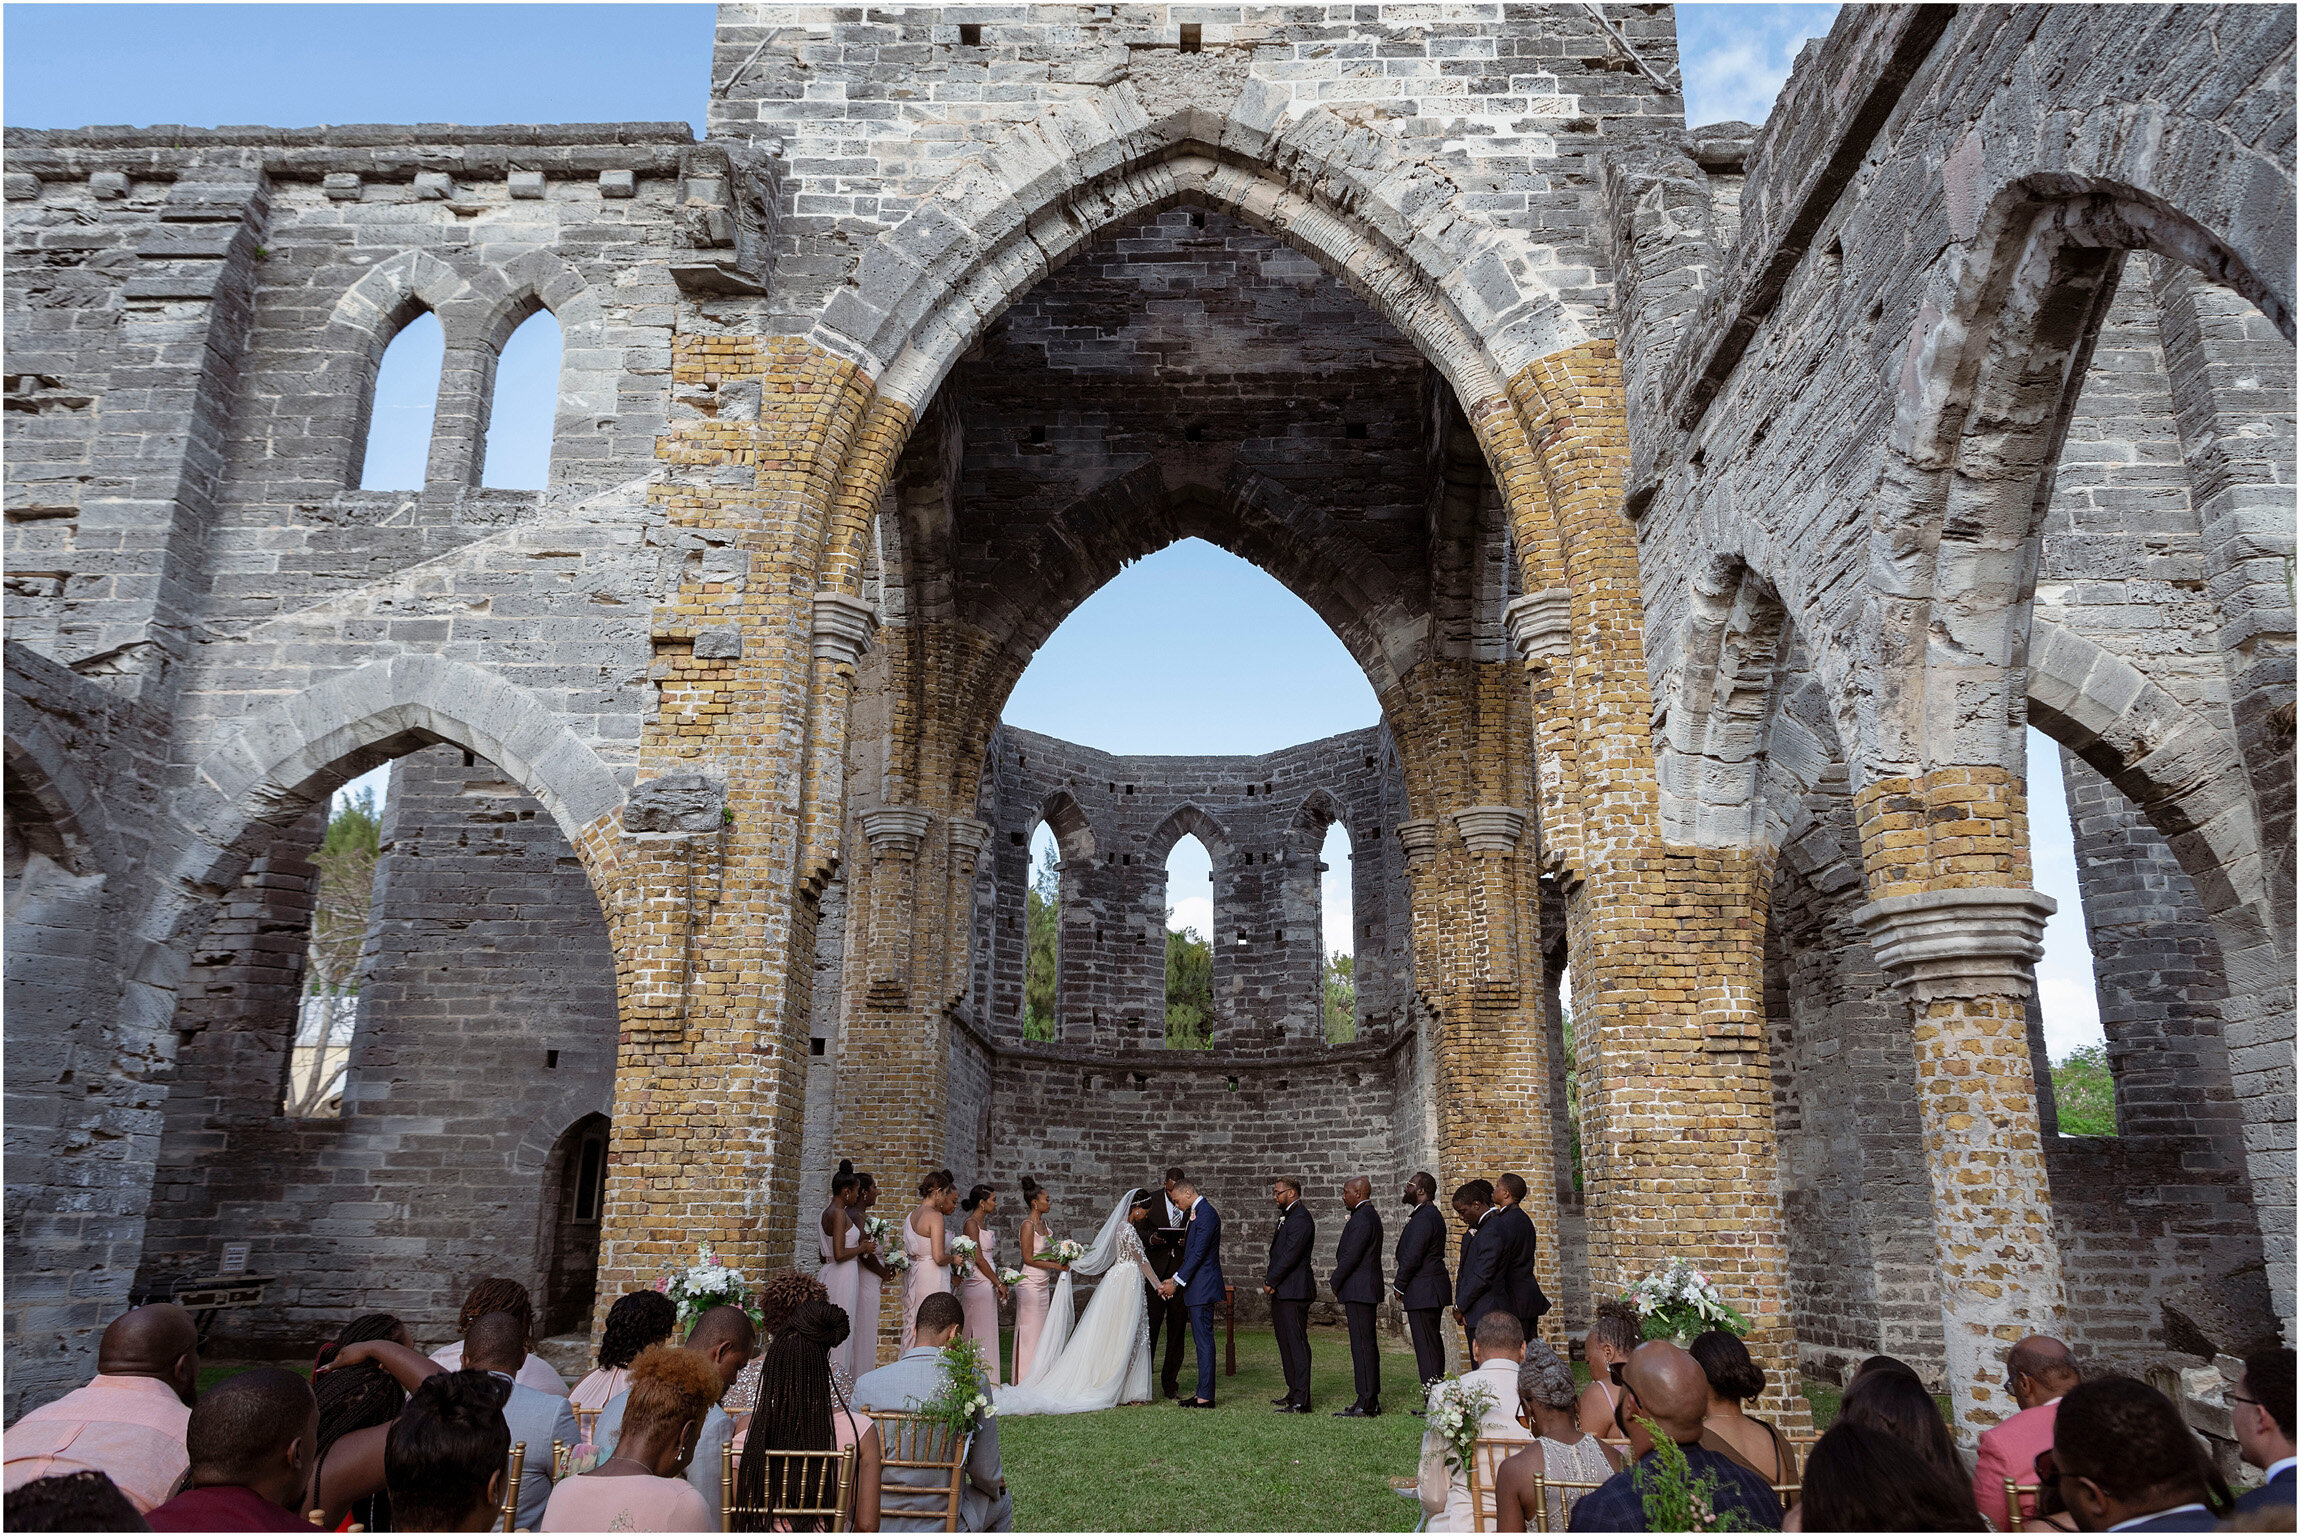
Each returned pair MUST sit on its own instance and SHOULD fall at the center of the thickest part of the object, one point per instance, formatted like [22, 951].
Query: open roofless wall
[1595, 444]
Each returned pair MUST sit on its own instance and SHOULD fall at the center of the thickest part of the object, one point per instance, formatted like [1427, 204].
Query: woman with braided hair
[800, 1409]
[358, 1397]
[502, 1296]
[634, 1322]
[779, 1301]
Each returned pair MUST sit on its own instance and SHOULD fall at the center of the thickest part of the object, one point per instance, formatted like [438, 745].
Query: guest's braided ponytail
[796, 1399]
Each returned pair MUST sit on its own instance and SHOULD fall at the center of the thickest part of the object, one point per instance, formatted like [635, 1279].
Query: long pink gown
[923, 1279]
[1032, 1295]
[863, 1342]
[980, 1299]
[839, 1284]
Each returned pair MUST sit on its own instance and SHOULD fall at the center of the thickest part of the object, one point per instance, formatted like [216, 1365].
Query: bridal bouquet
[705, 1284]
[1456, 1410]
[1680, 1302]
[1010, 1278]
[1068, 1251]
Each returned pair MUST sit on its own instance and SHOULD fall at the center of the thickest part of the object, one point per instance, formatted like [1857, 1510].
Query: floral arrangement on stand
[705, 1284]
[1681, 1303]
[1456, 1410]
[962, 1251]
[964, 1401]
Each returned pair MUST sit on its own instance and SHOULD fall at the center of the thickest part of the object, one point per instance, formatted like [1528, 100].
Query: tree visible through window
[321, 1057]
[2084, 1093]
[1042, 922]
[1189, 990]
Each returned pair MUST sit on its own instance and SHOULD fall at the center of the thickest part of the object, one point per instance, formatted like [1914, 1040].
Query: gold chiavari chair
[912, 1442]
[511, 1489]
[2014, 1490]
[587, 1424]
[1541, 1489]
[1485, 1459]
[808, 1490]
[561, 1451]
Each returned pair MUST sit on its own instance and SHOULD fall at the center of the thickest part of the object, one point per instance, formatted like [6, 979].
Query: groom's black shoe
[1356, 1412]
[1282, 1402]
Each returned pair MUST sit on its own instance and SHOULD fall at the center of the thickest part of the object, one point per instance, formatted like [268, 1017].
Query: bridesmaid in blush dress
[841, 1248]
[978, 1289]
[922, 1231]
[870, 1281]
[1036, 1292]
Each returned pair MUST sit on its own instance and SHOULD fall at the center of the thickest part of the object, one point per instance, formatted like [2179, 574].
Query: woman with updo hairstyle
[840, 1241]
[922, 1240]
[779, 1299]
[1561, 1449]
[801, 1408]
[870, 1285]
[979, 1288]
[637, 1320]
[640, 1487]
[1036, 1292]
[1734, 1379]
[1615, 1333]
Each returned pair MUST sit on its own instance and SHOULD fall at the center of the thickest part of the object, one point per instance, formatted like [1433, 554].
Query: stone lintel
[1490, 828]
[1541, 624]
[843, 627]
[896, 828]
[1960, 943]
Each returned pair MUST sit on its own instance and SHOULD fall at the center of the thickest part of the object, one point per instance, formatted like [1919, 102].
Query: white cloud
[1735, 58]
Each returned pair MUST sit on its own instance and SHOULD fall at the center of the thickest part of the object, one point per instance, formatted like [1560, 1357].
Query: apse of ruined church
[1718, 513]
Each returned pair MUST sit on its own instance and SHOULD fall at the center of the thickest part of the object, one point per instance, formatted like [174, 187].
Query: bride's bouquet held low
[1680, 1303]
[1456, 1409]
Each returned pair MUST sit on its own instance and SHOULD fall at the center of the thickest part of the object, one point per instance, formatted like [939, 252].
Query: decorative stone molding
[967, 836]
[676, 802]
[1419, 839]
[843, 627]
[1541, 623]
[1960, 943]
[896, 828]
[1490, 828]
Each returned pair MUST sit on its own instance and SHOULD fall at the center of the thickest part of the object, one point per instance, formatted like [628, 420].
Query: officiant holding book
[1164, 1231]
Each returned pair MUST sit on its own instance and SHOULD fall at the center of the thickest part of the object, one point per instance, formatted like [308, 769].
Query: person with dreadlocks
[802, 1409]
[634, 1322]
[502, 1296]
[779, 1302]
[356, 1397]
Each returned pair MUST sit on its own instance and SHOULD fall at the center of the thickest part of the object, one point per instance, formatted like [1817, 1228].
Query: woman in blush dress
[841, 1246]
[870, 1280]
[922, 1231]
[978, 1289]
[1038, 1272]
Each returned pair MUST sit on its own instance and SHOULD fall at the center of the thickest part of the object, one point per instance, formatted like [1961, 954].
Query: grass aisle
[1242, 1467]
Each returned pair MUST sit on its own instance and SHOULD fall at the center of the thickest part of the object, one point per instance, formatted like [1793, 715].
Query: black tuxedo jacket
[1478, 1287]
[1422, 1281]
[1514, 1262]
[1164, 1253]
[1290, 1274]
[1358, 1258]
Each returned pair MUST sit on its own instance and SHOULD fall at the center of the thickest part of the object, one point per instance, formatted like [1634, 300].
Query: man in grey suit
[909, 1384]
[726, 1337]
[497, 1344]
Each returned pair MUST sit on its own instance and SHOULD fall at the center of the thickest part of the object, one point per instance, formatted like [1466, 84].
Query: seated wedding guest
[2038, 1373]
[914, 1378]
[503, 1296]
[250, 1444]
[1899, 1407]
[2261, 1405]
[494, 1345]
[450, 1451]
[348, 1473]
[1664, 1392]
[801, 1410]
[128, 1422]
[1883, 1363]
[1561, 1449]
[356, 1397]
[779, 1300]
[637, 1320]
[1616, 1332]
[1497, 1346]
[2124, 1460]
[70, 1501]
[1865, 1479]
[640, 1486]
[723, 1338]
[1734, 1379]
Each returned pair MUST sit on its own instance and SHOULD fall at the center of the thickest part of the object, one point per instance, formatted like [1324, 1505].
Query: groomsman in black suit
[1291, 1285]
[1515, 1232]
[1423, 1286]
[1479, 1286]
[1358, 1287]
[1163, 1233]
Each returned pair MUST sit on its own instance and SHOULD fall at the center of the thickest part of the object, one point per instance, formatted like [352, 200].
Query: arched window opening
[526, 404]
[327, 1012]
[577, 1189]
[1338, 973]
[2067, 994]
[399, 417]
[1042, 924]
[1190, 919]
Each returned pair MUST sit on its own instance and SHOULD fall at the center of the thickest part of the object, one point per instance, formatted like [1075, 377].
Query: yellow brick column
[1957, 928]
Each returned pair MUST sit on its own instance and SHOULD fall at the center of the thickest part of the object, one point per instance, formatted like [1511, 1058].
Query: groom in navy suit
[1198, 1280]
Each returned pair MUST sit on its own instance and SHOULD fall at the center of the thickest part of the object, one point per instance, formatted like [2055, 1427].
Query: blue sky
[1149, 664]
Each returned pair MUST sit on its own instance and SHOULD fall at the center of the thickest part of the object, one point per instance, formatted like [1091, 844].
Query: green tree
[346, 860]
[2084, 1091]
[1042, 921]
[1341, 986]
[1189, 990]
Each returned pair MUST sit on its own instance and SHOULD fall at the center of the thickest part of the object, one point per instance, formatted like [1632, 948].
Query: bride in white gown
[1105, 1361]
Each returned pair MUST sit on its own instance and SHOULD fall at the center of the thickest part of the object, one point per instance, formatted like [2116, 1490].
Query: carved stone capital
[843, 627]
[967, 836]
[1959, 943]
[1541, 624]
[896, 828]
[1490, 828]
[1419, 838]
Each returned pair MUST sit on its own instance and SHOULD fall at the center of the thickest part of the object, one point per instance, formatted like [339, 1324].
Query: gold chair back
[1541, 1491]
[587, 1424]
[808, 1490]
[511, 1489]
[2014, 1490]
[913, 1442]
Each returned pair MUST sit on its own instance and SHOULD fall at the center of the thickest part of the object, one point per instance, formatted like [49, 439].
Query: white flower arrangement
[962, 1250]
[1681, 1301]
[1456, 1410]
[705, 1284]
[1068, 1251]
[1010, 1278]
[897, 1262]
[878, 1229]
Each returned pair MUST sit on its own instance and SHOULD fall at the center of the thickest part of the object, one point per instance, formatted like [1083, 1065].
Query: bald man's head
[1671, 1389]
[2039, 1369]
[496, 1342]
[159, 1341]
[1357, 1192]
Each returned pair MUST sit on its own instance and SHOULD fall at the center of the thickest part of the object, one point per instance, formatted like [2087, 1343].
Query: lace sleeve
[1130, 1248]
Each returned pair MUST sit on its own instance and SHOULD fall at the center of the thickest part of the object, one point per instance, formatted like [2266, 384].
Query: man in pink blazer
[2038, 1371]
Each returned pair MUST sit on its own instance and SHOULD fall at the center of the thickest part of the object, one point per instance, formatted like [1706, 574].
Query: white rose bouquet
[1010, 1278]
[1068, 1251]
[705, 1284]
[880, 1231]
[962, 1251]
[1456, 1410]
[1680, 1302]
[897, 1262]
